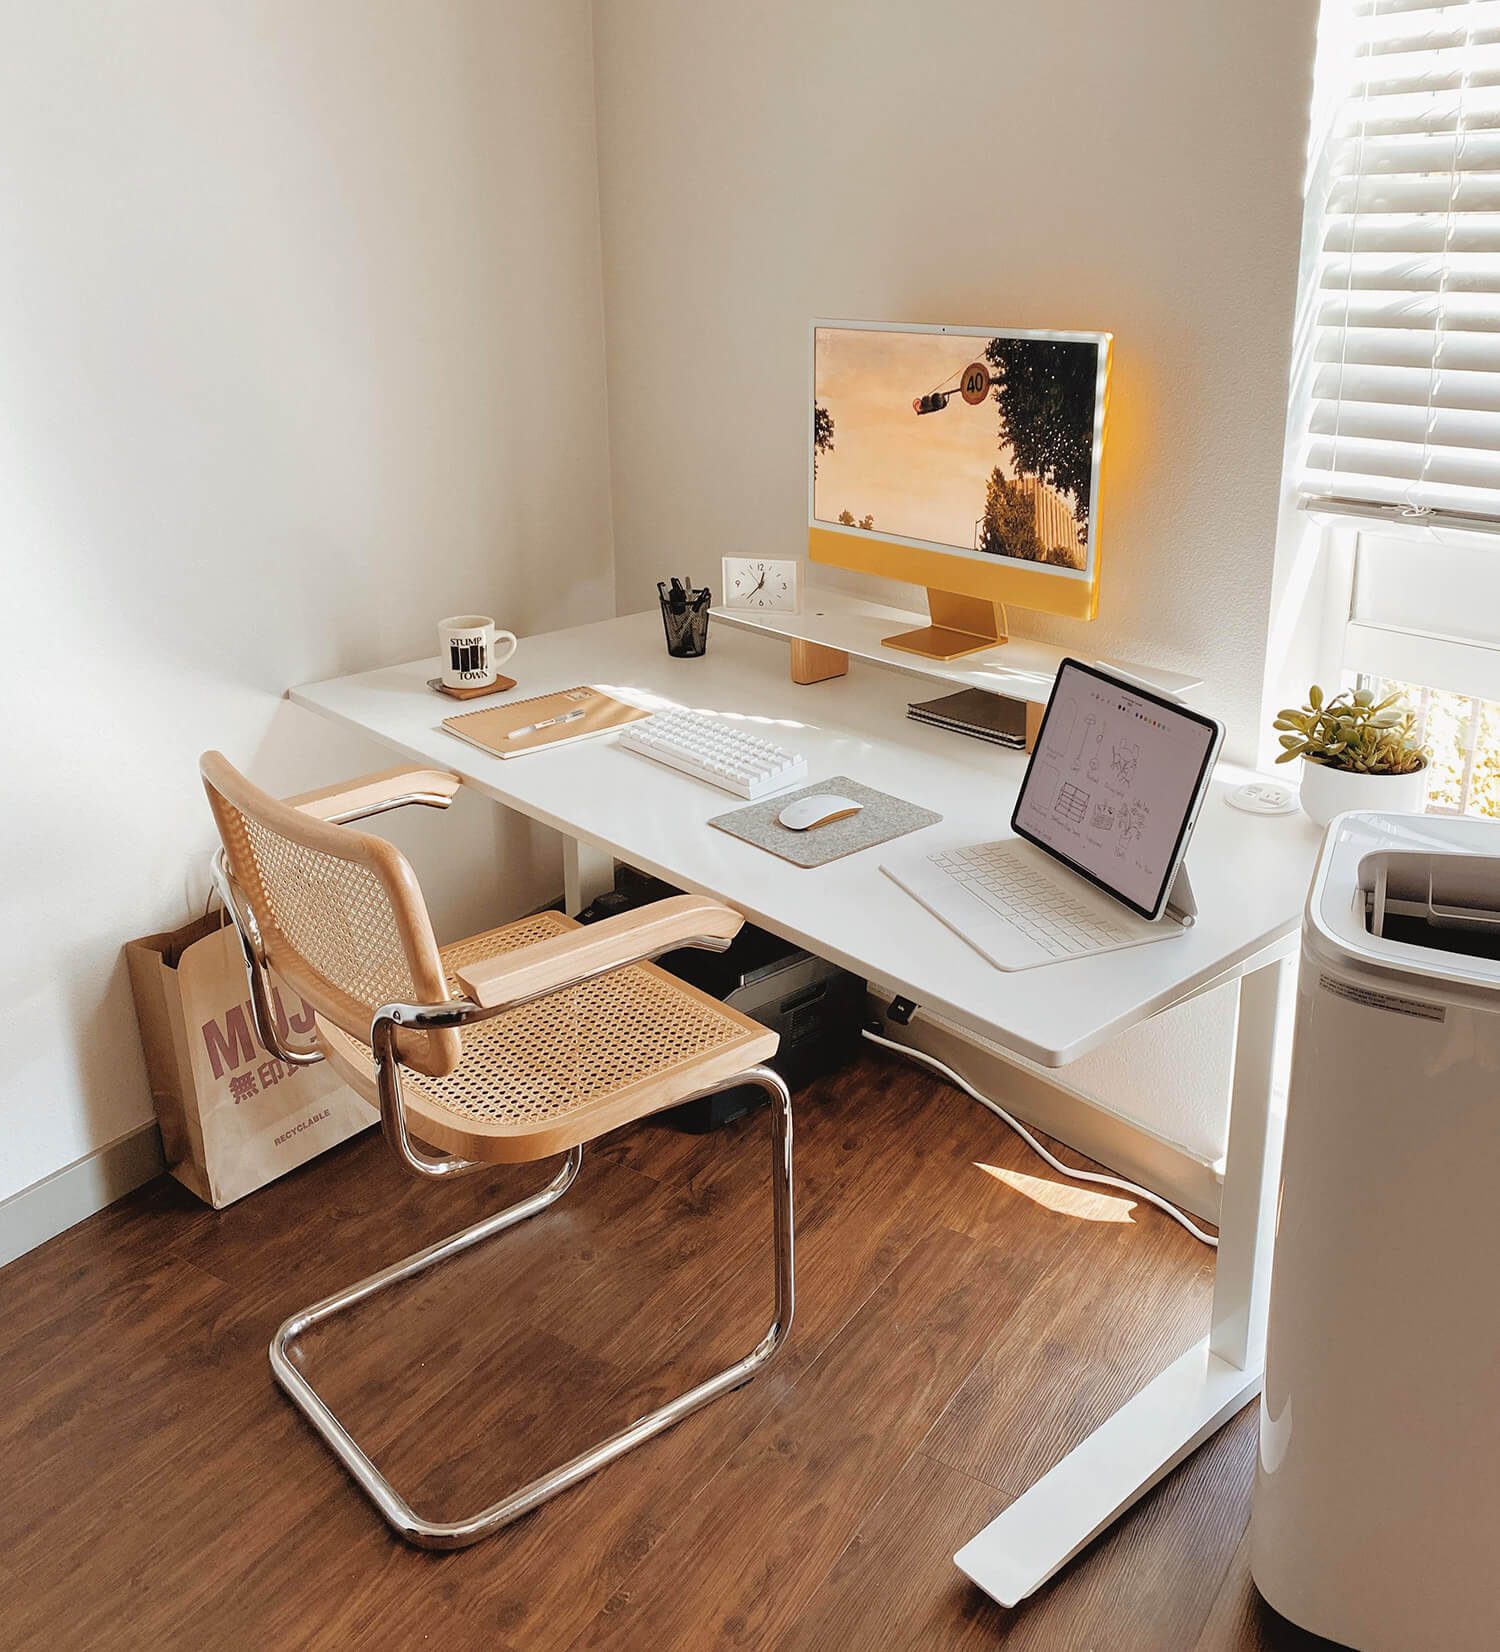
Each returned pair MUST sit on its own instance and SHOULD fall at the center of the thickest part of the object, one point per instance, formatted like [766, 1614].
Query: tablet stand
[1181, 903]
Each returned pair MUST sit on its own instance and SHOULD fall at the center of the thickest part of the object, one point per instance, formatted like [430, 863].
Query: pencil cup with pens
[684, 614]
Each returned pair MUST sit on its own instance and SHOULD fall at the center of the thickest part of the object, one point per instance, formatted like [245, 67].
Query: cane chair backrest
[340, 914]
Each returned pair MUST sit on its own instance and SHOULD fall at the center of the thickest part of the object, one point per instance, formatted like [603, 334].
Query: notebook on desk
[521, 726]
[976, 711]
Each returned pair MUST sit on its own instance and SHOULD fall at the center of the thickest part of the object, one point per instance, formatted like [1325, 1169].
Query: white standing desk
[1250, 876]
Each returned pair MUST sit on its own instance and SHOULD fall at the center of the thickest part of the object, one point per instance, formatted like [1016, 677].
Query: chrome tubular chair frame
[253, 950]
[457, 1534]
[458, 1013]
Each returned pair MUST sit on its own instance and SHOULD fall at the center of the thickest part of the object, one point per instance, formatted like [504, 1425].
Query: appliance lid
[1417, 894]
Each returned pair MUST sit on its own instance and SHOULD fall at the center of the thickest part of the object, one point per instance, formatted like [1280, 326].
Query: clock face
[760, 584]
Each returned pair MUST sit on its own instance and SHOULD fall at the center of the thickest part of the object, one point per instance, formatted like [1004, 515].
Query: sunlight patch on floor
[1082, 1202]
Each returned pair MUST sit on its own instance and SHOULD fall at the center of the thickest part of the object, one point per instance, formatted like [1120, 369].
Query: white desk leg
[587, 873]
[1197, 1394]
[1252, 1176]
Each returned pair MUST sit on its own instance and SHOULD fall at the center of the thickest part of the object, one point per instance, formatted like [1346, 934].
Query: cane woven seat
[549, 1075]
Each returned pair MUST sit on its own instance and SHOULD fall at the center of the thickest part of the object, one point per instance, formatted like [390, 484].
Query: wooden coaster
[499, 686]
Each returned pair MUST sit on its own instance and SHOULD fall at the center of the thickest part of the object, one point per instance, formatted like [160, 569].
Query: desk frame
[588, 873]
[1085, 1493]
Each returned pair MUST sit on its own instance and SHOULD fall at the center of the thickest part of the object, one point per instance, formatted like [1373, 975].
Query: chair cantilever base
[458, 1534]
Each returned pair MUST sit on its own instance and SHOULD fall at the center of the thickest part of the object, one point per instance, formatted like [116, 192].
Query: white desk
[1250, 875]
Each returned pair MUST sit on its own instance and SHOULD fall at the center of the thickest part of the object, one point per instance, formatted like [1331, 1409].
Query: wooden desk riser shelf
[834, 627]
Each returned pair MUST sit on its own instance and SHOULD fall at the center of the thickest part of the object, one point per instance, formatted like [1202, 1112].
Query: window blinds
[1404, 410]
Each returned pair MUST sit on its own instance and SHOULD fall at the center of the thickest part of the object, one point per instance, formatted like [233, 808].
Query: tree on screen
[822, 433]
[1044, 389]
[849, 520]
[1008, 527]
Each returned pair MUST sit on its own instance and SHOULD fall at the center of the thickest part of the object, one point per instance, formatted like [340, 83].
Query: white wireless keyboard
[1017, 886]
[724, 754]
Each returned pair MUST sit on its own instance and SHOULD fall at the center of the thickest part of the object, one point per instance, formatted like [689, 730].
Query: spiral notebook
[546, 720]
[976, 711]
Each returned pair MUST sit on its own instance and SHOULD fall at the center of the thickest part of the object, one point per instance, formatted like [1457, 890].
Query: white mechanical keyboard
[724, 754]
[1015, 887]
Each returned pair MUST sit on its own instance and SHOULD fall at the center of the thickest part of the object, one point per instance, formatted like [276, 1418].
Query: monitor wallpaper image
[984, 446]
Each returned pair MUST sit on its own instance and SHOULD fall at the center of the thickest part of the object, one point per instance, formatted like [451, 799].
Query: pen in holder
[684, 616]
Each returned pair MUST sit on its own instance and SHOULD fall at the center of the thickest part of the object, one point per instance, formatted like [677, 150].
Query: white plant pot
[1327, 791]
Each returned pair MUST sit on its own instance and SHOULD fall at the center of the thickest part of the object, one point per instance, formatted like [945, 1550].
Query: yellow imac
[964, 459]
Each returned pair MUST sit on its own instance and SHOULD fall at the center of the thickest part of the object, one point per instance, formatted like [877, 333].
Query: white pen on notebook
[548, 722]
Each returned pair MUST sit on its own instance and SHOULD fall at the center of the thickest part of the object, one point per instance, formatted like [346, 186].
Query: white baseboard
[54, 1204]
[1037, 1098]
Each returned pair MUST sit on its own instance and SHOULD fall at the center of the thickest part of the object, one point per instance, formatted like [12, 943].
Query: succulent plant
[1352, 731]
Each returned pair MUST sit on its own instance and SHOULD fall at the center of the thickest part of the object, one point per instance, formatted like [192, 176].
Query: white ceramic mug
[473, 648]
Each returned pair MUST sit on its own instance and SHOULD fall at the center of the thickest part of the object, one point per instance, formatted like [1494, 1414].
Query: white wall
[1073, 164]
[300, 349]
[1079, 163]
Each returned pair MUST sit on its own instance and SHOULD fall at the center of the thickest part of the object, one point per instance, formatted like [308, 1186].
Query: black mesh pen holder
[684, 617]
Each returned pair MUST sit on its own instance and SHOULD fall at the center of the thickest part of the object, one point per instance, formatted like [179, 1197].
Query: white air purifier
[1377, 1504]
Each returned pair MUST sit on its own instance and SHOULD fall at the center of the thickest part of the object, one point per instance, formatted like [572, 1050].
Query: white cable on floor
[1036, 1147]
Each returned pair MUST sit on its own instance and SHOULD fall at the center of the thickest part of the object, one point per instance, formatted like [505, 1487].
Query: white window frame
[1379, 644]
[1319, 629]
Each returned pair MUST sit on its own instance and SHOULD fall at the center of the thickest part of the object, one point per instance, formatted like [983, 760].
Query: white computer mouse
[803, 813]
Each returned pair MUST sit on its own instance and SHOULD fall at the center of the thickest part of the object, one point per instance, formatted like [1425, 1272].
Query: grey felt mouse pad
[881, 818]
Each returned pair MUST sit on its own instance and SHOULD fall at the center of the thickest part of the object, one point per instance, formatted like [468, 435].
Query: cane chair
[522, 1043]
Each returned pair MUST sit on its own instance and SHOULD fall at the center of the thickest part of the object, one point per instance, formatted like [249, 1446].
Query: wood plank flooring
[963, 1319]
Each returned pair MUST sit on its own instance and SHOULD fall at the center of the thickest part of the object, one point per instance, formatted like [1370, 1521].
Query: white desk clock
[762, 584]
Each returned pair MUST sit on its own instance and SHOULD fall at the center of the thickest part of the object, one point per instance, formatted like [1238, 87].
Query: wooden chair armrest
[632, 937]
[373, 794]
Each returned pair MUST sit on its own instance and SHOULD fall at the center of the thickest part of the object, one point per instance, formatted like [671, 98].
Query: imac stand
[960, 625]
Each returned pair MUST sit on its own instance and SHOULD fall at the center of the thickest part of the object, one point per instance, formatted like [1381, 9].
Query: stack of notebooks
[993, 717]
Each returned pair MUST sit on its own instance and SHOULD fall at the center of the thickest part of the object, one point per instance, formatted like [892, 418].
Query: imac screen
[962, 440]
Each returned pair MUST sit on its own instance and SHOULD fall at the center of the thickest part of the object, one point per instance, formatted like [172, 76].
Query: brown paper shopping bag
[232, 1116]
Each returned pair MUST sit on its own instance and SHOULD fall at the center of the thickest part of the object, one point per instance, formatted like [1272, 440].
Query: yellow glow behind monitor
[963, 459]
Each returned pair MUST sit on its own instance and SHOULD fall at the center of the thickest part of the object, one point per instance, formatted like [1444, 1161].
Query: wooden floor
[962, 1320]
